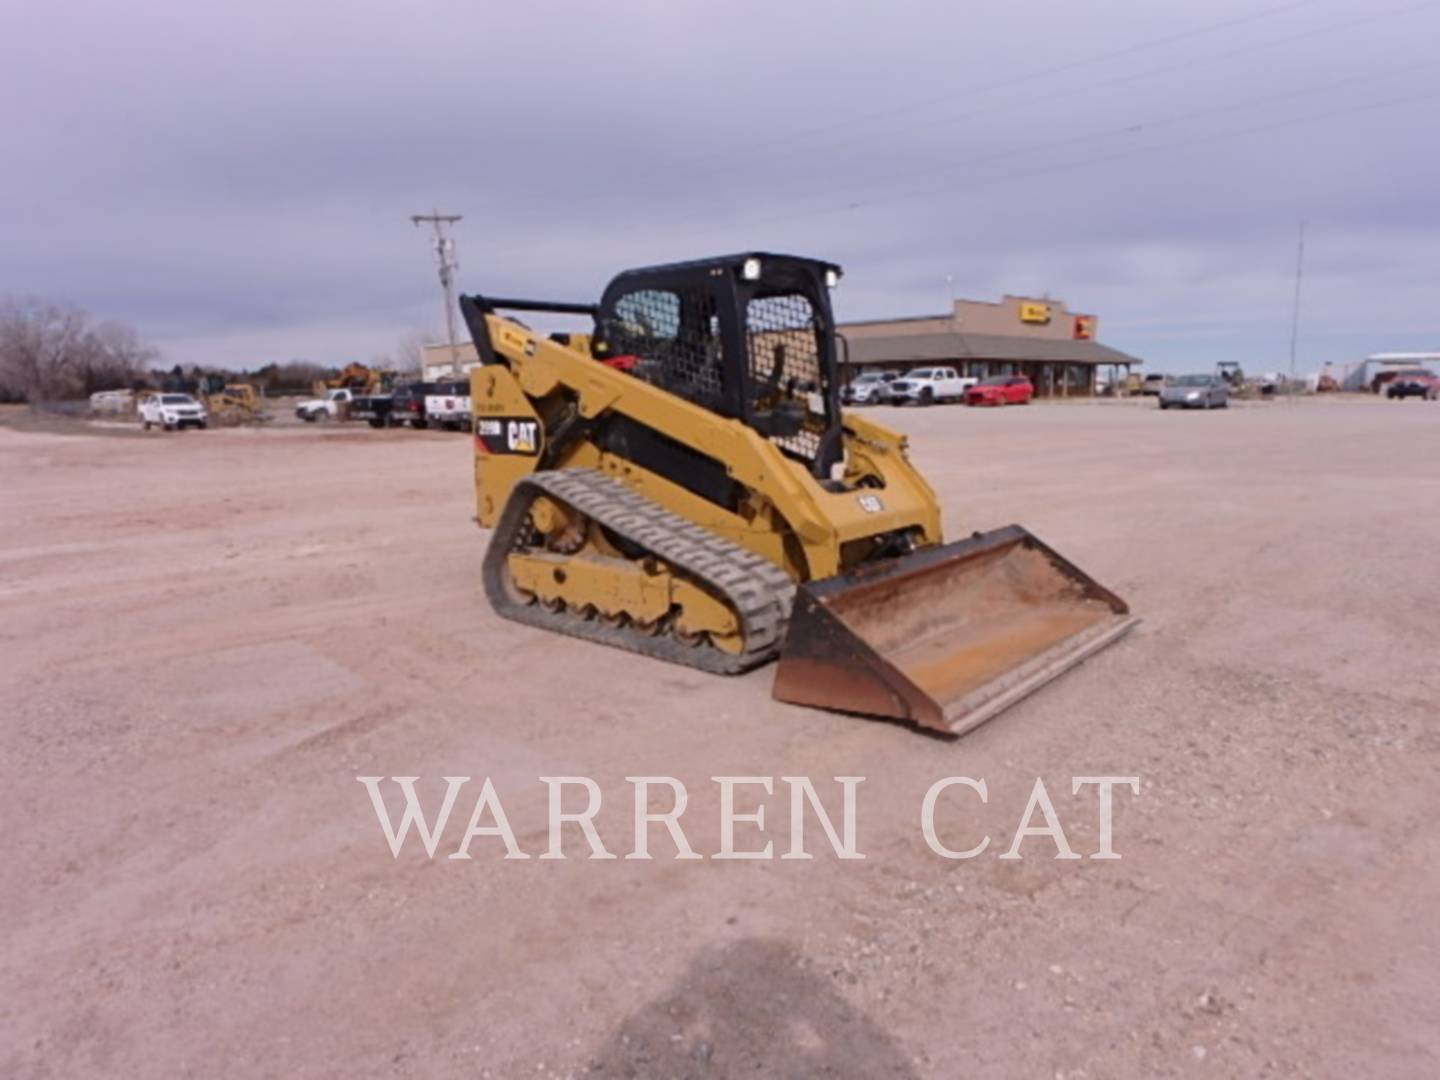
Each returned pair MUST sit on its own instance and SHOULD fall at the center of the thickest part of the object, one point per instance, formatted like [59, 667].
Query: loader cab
[748, 336]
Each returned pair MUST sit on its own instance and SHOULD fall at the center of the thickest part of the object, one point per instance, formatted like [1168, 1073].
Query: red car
[1001, 390]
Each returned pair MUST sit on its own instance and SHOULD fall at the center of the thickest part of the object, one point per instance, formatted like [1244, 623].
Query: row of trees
[51, 351]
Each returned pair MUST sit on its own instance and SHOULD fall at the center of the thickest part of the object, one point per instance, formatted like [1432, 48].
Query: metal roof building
[1360, 375]
[1041, 339]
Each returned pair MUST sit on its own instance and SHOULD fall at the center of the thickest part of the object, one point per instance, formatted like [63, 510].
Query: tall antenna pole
[445, 254]
[1295, 314]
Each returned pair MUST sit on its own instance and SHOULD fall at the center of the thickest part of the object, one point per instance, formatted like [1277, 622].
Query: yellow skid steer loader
[682, 483]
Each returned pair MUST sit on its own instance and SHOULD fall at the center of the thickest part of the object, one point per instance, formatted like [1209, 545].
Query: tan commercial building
[1042, 339]
[436, 363]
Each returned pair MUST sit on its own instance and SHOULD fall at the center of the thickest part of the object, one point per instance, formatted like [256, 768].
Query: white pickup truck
[447, 404]
[927, 386]
[332, 406]
[173, 412]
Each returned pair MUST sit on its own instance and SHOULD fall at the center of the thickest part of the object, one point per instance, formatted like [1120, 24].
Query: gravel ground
[209, 636]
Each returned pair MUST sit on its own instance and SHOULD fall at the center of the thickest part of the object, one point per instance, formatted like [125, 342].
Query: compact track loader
[234, 403]
[682, 483]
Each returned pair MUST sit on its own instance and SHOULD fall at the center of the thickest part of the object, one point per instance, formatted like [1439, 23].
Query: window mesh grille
[783, 339]
[676, 337]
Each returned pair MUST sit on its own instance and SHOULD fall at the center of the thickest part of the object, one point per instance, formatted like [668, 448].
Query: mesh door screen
[783, 338]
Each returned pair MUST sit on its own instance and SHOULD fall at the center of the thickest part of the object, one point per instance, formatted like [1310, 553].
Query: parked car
[335, 405]
[869, 388]
[1416, 382]
[1196, 392]
[374, 409]
[173, 412]
[1153, 383]
[927, 386]
[408, 405]
[448, 405]
[1001, 390]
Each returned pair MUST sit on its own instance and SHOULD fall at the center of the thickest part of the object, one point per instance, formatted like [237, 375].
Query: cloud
[237, 182]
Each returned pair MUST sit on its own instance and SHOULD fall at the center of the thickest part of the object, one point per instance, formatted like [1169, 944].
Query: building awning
[939, 348]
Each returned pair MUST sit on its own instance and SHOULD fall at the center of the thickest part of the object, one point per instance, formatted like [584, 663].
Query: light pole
[1295, 313]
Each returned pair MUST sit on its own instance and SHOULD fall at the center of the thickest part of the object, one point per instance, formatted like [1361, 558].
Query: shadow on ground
[751, 1008]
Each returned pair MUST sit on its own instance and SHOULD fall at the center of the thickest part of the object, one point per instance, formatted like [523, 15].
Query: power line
[1087, 137]
[1119, 156]
[1194, 63]
[1103, 159]
[1201, 62]
[1057, 69]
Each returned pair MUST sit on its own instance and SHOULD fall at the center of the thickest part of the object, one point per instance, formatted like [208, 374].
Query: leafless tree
[51, 351]
[117, 358]
[409, 355]
[296, 376]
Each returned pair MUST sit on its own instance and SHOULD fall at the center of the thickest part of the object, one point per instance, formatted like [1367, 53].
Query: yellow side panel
[509, 438]
[792, 520]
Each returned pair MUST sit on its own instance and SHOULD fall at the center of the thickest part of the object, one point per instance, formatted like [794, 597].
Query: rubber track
[756, 589]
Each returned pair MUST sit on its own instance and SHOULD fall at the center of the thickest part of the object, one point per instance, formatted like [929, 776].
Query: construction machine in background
[226, 402]
[1233, 374]
[357, 378]
[234, 403]
[682, 483]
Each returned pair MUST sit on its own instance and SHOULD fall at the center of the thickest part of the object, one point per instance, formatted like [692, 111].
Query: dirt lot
[209, 636]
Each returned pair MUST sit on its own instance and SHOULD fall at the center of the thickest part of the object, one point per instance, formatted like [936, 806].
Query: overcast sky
[236, 180]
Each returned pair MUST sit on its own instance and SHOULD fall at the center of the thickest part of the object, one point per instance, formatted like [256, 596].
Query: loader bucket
[946, 637]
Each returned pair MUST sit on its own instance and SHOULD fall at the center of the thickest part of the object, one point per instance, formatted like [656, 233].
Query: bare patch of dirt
[208, 637]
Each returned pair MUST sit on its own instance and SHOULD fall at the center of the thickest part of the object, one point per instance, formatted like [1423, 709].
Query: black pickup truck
[408, 406]
[374, 408]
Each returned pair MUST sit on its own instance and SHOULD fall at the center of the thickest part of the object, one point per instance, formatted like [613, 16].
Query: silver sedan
[1196, 392]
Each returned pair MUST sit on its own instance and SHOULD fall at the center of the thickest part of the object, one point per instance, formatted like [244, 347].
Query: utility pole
[445, 254]
[1295, 313]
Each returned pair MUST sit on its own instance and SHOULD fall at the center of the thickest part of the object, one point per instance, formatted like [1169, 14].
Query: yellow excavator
[681, 482]
[361, 378]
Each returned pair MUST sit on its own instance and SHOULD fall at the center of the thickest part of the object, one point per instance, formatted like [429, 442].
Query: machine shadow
[750, 1008]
